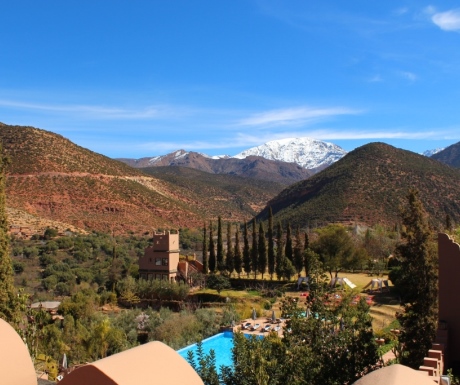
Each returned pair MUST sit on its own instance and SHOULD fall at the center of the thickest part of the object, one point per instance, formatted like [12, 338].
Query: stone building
[161, 259]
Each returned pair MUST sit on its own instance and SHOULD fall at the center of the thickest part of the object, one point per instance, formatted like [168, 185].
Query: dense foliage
[327, 342]
[418, 283]
[9, 306]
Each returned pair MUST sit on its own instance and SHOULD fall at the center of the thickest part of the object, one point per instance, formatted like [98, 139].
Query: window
[165, 277]
[164, 261]
[158, 261]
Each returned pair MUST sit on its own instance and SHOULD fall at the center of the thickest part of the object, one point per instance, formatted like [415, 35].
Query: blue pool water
[222, 345]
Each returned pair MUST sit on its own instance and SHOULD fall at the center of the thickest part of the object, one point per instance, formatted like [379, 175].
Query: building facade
[161, 259]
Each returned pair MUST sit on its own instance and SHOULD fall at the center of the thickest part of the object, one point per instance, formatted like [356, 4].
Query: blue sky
[147, 77]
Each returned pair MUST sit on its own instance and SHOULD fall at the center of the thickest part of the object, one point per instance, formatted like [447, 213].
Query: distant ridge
[255, 167]
[306, 152]
[450, 155]
[283, 161]
[368, 186]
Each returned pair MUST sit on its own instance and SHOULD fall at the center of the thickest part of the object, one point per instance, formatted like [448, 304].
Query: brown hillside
[368, 186]
[52, 178]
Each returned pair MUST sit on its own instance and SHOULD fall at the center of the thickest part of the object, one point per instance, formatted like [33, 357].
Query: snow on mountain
[429, 153]
[307, 152]
[215, 156]
[171, 156]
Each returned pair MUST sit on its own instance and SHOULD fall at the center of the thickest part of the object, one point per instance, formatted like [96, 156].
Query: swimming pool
[222, 345]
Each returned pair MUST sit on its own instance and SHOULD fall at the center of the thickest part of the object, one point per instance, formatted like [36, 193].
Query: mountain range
[53, 179]
[309, 153]
[292, 159]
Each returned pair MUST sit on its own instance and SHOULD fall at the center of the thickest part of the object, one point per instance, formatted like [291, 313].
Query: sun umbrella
[254, 314]
[64, 361]
[273, 316]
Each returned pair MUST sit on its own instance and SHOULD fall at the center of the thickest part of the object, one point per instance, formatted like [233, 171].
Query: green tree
[306, 242]
[212, 251]
[288, 252]
[309, 256]
[205, 251]
[279, 251]
[9, 304]
[204, 365]
[288, 269]
[50, 233]
[237, 253]
[254, 251]
[298, 253]
[449, 225]
[217, 282]
[334, 247]
[220, 247]
[419, 279]
[230, 260]
[262, 250]
[271, 245]
[246, 251]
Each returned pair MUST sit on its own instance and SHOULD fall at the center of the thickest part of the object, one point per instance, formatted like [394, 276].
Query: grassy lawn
[385, 304]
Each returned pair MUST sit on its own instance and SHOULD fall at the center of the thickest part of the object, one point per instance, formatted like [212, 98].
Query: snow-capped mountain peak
[432, 152]
[307, 152]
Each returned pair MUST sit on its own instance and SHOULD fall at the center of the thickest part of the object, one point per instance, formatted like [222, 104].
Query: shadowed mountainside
[449, 156]
[368, 186]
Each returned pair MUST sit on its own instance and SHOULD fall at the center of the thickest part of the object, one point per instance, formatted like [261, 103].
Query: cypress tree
[246, 252]
[306, 242]
[9, 304]
[220, 247]
[288, 248]
[230, 262]
[448, 223]
[262, 250]
[254, 251]
[212, 250]
[205, 250]
[237, 253]
[298, 254]
[271, 246]
[279, 269]
[419, 283]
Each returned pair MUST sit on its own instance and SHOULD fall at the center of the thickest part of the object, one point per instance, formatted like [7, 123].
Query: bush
[217, 282]
[50, 233]
[18, 267]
